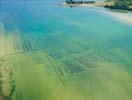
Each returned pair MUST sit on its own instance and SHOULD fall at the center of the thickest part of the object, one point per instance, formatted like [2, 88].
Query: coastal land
[111, 4]
[98, 4]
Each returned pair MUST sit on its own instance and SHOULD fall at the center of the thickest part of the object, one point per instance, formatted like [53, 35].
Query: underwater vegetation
[61, 54]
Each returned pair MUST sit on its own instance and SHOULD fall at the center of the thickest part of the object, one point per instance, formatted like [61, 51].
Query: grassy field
[102, 4]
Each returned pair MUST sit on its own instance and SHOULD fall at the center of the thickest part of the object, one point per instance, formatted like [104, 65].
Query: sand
[125, 18]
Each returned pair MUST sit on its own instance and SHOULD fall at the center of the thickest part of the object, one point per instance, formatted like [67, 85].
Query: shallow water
[52, 52]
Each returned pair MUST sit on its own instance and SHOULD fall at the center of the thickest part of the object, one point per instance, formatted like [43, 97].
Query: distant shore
[99, 4]
[74, 5]
[105, 4]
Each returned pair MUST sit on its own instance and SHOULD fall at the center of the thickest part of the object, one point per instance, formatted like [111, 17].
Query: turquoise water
[52, 52]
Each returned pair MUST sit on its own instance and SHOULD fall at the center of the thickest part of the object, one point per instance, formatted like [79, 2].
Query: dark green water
[52, 52]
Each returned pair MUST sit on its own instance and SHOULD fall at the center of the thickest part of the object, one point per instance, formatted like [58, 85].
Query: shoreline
[123, 18]
[77, 5]
[105, 4]
[119, 16]
[98, 4]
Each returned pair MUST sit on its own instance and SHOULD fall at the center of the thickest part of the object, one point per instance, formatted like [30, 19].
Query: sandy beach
[118, 16]
[125, 18]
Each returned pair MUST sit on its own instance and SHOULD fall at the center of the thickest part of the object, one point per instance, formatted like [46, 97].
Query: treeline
[120, 4]
[78, 2]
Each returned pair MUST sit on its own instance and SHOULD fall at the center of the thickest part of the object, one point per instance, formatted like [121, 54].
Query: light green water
[51, 52]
